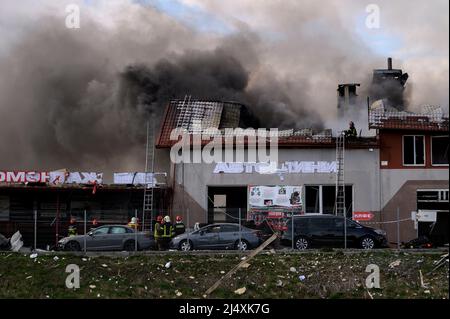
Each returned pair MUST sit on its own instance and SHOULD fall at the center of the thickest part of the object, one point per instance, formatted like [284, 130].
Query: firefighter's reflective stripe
[167, 231]
[157, 229]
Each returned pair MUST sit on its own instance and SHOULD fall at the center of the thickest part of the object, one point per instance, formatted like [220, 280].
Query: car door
[337, 234]
[97, 238]
[208, 237]
[116, 237]
[322, 230]
[228, 235]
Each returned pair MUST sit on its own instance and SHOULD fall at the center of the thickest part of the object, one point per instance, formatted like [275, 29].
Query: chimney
[389, 63]
[346, 94]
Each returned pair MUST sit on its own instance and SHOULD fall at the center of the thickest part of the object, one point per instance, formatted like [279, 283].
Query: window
[322, 198]
[4, 208]
[212, 229]
[322, 223]
[229, 228]
[413, 150]
[118, 230]
[101, 231]
[439, 150]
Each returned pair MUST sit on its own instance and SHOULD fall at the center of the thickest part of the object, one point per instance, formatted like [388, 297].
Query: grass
[328, 275]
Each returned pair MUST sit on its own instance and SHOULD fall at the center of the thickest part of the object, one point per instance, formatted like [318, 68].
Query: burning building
[399, 177]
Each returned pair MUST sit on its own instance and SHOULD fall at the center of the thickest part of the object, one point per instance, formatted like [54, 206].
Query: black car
[328, 231]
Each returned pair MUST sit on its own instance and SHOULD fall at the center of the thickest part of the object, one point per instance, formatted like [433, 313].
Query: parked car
[108, 237]
[217, 236]
[328, 231]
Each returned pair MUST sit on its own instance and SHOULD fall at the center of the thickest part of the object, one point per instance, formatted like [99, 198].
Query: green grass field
[327, 275]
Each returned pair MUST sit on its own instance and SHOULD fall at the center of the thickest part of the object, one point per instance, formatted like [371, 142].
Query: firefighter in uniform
[133, 223]
[351, 132]
[157, 232]
[168, 232]
[180, 228]
[72, 231]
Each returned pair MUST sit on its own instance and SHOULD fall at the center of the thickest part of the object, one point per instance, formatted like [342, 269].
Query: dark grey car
[217, 236]
[108, 237]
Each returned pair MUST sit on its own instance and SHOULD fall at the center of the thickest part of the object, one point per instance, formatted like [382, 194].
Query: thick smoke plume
[80, 98]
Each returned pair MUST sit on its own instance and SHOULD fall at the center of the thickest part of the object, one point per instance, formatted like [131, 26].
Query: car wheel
[302, 243]
[130, 246]
[242, 245]
[72, 246]
[367, 243]
[185, 245]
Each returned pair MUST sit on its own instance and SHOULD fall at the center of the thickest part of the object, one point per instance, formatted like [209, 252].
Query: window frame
[414, 150]
[431, 151]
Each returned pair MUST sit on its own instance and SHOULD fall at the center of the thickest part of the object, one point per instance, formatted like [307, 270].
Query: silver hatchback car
[217, 236]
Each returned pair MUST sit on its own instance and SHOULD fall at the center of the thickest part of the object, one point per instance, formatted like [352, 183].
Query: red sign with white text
[362, 216]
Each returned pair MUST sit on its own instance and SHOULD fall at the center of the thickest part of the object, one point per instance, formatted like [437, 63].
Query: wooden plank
[246, 260]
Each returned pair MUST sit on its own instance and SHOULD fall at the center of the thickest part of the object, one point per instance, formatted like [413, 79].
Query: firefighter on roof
[351, 132]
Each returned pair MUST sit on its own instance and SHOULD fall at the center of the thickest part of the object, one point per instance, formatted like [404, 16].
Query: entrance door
[226, 203]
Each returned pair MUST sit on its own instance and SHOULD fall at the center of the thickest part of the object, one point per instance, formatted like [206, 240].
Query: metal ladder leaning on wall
[147, 209]
[339, 206]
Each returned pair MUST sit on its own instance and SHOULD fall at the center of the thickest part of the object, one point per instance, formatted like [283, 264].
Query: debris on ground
[240, 291]
[246, 265]
[301, 277]
[422, 283]
[168, 264]
[279, 283]
[33, 256]
[56, 258]
[292, 269]
[395, 263]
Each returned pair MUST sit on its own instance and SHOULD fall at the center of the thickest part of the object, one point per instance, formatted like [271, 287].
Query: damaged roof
[222, 115]
[432, 118]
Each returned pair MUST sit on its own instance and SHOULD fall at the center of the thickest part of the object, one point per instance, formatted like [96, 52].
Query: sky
[85, 91]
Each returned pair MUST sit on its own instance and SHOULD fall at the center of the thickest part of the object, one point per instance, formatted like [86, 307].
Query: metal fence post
[292, 231]
[240, 230]
[135, 232]
[398, 228]
[187, 226]
[85, 221]
[345, 228]
[35, 229]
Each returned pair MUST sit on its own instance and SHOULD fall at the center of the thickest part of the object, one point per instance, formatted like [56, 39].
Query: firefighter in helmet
[157, 232]
[180, 228]
[72, 231]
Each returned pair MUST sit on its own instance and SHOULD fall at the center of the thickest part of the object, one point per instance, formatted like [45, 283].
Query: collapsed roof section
[183, 114]
[432, 118]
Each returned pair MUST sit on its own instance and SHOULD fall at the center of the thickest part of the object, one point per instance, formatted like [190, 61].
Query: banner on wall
[135, 178]
[55, 177]
[275, 196]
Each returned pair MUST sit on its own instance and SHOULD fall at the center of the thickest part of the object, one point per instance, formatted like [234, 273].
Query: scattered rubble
[240, 291]
[395, 263]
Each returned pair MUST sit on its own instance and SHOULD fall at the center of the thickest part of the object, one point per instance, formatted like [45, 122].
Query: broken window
[4, 208]
[439, 150]
[321, 199]
[413, 150]
[312, 199]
